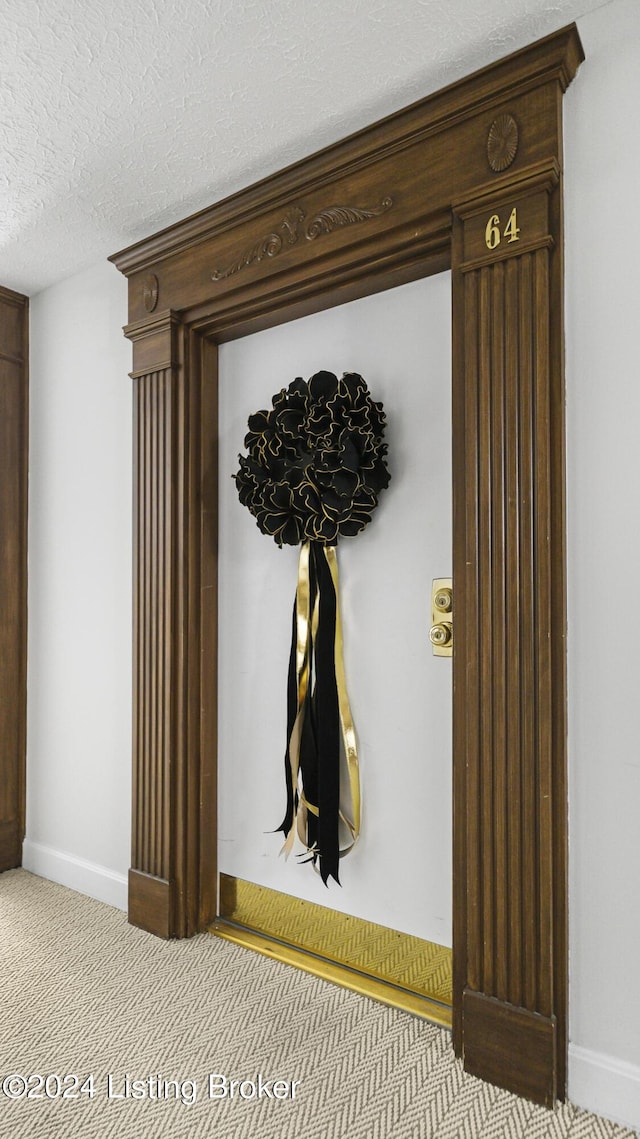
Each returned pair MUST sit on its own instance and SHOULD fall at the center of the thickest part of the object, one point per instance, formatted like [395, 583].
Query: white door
[399, 873]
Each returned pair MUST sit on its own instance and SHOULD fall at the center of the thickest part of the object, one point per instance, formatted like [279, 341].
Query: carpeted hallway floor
[84, 994]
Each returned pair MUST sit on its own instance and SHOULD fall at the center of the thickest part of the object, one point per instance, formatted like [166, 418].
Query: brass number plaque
[492, 234]
[502, 229]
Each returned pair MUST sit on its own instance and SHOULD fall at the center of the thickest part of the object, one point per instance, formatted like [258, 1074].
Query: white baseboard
[76, 873]
[604, 1084]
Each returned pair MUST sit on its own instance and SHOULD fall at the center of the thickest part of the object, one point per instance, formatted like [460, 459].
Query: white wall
[602, 155]
[79, 677]
[399, 872]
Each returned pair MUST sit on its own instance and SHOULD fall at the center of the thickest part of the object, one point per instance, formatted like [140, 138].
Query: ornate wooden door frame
[470, 178]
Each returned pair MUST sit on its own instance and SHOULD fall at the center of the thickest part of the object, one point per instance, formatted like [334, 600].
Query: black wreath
[316, 461]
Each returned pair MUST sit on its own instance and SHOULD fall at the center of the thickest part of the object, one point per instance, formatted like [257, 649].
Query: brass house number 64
[492, 234]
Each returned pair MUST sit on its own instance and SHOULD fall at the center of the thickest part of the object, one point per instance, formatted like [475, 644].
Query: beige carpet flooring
[84, 994]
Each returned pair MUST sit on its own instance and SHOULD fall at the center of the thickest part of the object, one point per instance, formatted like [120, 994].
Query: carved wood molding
[334, 217]
[268, 246]
[150, 291]
[502, 142]
[287, 233]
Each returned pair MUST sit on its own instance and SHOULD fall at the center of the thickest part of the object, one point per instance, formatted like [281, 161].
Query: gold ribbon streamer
[306, 630]
[303, 651]
[346, 719]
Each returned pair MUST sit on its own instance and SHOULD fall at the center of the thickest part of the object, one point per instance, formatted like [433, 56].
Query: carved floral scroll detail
[288, 232]
[268, 246]
[336, 216]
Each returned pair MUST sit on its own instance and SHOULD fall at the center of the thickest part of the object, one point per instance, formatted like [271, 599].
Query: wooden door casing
[14, 435]
[468, 179]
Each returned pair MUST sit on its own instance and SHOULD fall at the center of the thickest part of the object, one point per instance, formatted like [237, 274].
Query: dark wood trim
[511, 856]
[151, 903]
[504, 1044]
[208, 791]
[11, 836]
[14, 452]
[464, 669]
[408, 197]
[18, 300]
[175, 597]
[559, 856]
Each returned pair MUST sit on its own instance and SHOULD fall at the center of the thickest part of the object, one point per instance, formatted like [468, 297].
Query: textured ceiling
[118, 117]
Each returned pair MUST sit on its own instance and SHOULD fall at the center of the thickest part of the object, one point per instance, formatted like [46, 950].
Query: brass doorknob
[440, 634]
[443, 600]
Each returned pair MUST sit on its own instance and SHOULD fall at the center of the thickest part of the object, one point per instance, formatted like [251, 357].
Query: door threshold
[394, 968]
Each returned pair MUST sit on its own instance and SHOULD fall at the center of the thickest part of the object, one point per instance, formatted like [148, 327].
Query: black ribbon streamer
[321, 726]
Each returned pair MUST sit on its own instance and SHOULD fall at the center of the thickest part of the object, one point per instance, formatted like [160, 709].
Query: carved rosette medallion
[150, 289]
[502, 142]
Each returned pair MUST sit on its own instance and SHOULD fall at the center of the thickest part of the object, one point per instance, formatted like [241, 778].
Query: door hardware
[441, 631]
